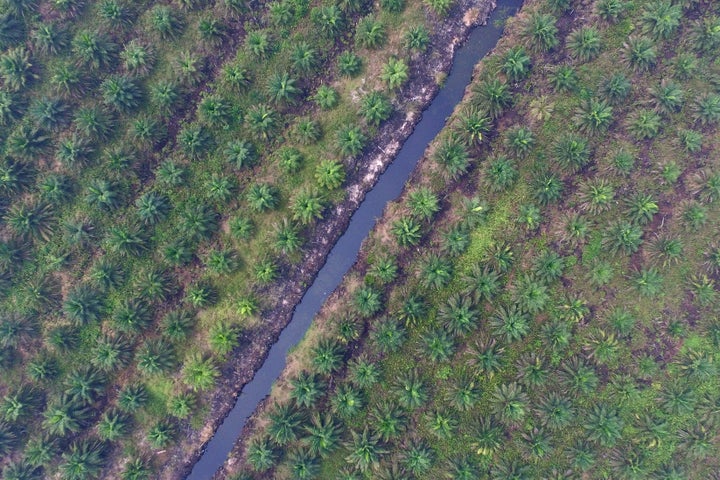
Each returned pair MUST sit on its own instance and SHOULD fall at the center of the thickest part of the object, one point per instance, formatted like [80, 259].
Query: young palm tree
[285, 423]
[330, 20]
[223, 337]
[21, 403]
[578, 377]
[165, 22]
[556, 412]
[261, 455]
[417, 458]
[385, 269]
[367, 301]
[456, 240]
[594, 116]
[83, 305]
[603, 425]
[64, 415]
[307, 389]
[541, 31]
[572, 153]
[363, 372]
[611, 10]
[370, 33]
[121, 93]
[308, 206]
[442, 424]
[262, 121]
[212, 31]
[500, 174]
[375, 108]
[482, 283]
[395, 73]
[347, 401]
[132, 397]
[520, 140]
[423, 203]
[388, 335]
[113, 425]
[83, 460]
[584, 44]
[639, 53]
[349, 64]
[435, 272]
[438, 345]
[85, 384]
[516, 64]
[132, 316]
[473, 127]
[511, 323]
[195, 141]
[260, 44]
[323, 435]
[458, 314]
[177, 324]
[706, 109]
[327, 356]
[364, 450]
[200, 372]
[137, 469]
[162, 433]
[111, 352]
[493, 96]
[417, 39]
[410, 390]
[155, 357]
[661, 19]
[641, 208]
[282, 89]
[644, 124]
[453, 157]
[510, 403]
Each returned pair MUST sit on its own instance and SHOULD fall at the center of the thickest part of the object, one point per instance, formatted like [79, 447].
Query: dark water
[482, 39]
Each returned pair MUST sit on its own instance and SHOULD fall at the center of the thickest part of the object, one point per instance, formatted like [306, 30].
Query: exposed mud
[362, 175]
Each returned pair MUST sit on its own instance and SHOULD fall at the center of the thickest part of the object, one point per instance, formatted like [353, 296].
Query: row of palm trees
[561, 382]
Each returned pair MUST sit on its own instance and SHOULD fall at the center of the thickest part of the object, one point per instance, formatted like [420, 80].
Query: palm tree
[510, 403]
[516, 64]
[364, 450]
[441, 423]
[177, 324]
[435, 272]
[49, 113]
[641, 208]
[32, 221]
[395, 73]
[11, 108]
[212, 31]
[107, 274]
[307, 206]
[260, 44]
[564, 79]
[510, 322]
[65, 415]
[262, 197]
[572, 152]
[85, 459]
[42, 367]
[132, 316]
[500, 256]
[417, 457]
[520, 140]
[388, 335]
[547, 188]
[500, 174]
[16, 69]
[165, 22]
[223, 337]
[458, 314]
[541, 31]
[111, 352]
[21, 403]
[115, 13]
[644, 124]
[347, 401]
[385, 269]
[200, 372]
[287, 237]
[584, 43]
[285, 422]
[363, 373]
[306, 389]
[304, 58]
[22, 470]
[493, 96]
[282, 89]
[603, 425]
[136, 469]
[240, 154]
[438, 345]
[220, 188]
[349, 64]
[85, 384]
[556, 412]
[423, 203]
[440, 7]
[417, 38]
[155, 357]
[578, 377]
[121, 93]
[594, 116]
[661, 19]
[389, 420]
[132, 397]
[164, 95]
[706, 109]
[83, 305]
[236, 76]
[137, 58]
[261, 455]
[667, 97]
[350, 140]
[481, 283]
[464, 394]
[195, 141]
[639, 53]
[198, 221]
[93, 123]
[162, 433]
[327, 356]
[370, 33]
[368, 301]
[113, 425]
[530, 294]
[262, 121]
[610, 10]
[127, 241]
[596, 196]
[329, 20]
[453, 157]
[456, 240]
[376, 108]
[410, 390]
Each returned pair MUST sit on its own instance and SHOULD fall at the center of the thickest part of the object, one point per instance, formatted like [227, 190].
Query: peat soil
[362, 175]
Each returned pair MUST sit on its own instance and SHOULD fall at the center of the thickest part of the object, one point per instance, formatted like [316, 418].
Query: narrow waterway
[389, 186]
